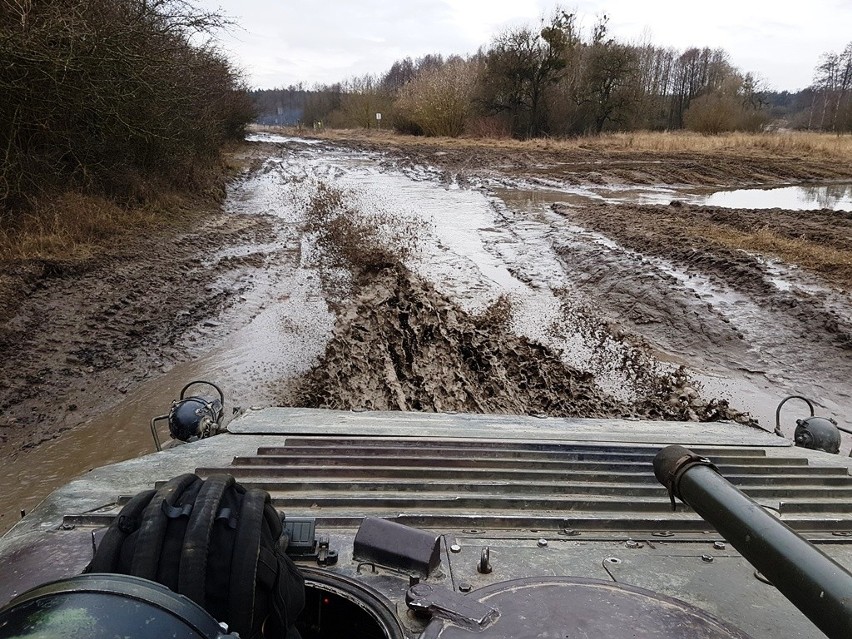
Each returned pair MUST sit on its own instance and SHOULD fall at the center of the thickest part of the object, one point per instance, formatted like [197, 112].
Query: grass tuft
[832, 263]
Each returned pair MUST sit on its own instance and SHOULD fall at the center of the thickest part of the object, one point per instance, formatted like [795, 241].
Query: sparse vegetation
[793, 144]
[833, 263]
[113, 116]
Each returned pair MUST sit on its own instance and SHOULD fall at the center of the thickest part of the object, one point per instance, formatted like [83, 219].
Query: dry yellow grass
[832, 263]
[785, 143]
[67, 227]
[792, 144]
[74, 227]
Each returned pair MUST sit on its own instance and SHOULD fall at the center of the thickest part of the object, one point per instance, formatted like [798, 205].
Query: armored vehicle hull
[541, 524]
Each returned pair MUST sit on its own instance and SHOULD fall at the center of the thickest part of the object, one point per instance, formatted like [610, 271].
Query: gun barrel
[816, 584]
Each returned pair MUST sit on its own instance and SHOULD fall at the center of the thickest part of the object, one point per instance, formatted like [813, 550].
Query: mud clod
[401, 345]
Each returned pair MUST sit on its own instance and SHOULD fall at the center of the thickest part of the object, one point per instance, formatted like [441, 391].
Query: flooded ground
[835, 197]
[578, 286]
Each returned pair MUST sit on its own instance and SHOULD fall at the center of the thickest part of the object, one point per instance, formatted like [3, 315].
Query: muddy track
[601, 167]
[623, 284]
[693, 239]
[79, 341]
[401, 345]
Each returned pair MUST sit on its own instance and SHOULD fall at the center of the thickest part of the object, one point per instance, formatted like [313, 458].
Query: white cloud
[284, 42]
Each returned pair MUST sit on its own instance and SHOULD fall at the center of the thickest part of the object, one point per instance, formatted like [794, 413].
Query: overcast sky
[282, 42]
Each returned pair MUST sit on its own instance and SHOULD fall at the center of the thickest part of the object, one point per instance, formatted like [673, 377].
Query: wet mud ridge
[400, 345]
[691, 279]
[545, 164]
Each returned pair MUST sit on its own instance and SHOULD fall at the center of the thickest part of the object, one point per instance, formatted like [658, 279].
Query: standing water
[476, 246]
[835, 197]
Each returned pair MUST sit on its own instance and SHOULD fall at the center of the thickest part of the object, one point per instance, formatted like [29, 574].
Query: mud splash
[401, 345]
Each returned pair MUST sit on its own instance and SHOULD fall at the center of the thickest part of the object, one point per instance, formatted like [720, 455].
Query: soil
[82, 339]
[654, 283]
[596, 166]
[679, 234]
[401, 345]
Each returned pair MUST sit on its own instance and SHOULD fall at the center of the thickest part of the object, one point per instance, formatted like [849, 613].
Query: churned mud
[454, 277]
[79, 342]
[545, 164]
[400, 345]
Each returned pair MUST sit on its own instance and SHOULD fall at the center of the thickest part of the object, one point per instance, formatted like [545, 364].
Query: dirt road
[454, 279]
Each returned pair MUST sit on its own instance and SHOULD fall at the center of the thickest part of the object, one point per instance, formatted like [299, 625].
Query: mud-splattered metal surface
[561, 502]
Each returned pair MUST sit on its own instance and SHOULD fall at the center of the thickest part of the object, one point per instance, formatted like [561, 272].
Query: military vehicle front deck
[547, 496]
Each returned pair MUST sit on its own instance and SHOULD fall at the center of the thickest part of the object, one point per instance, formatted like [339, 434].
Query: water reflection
[837, 197]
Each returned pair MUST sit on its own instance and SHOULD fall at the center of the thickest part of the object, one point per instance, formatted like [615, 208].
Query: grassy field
[788, 143]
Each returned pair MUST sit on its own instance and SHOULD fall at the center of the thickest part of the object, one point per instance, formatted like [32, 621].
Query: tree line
[104, 95]
[557, 79]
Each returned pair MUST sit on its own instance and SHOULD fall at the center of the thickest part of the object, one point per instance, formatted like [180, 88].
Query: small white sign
[378, 116]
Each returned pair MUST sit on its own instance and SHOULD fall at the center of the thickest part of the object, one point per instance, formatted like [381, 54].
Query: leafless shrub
[440, 101]
[100, 94]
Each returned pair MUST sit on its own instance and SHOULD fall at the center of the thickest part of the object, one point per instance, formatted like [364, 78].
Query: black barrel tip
[668, 461]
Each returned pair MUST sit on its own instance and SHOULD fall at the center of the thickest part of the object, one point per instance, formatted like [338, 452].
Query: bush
[717, 112]
[439, 101]
[96, 94]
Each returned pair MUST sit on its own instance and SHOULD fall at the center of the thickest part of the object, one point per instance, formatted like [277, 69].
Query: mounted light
[193, 418]
[813, 433]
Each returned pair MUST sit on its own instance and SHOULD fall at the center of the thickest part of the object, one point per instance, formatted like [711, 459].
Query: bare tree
[832, 85]
[522, 65]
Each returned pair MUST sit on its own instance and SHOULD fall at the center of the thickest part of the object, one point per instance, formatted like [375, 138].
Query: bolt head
[455, 548]
[542, 542]
[719, 545]
[707, 558]
[465, 587]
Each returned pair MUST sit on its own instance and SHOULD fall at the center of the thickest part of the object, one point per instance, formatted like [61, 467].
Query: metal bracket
[484, 565]
[154, 433]
[446, 604]
[671, 463]
[301, 541]
[325, 557]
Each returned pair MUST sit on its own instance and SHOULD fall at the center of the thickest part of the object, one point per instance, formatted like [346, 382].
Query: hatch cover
[571, 607]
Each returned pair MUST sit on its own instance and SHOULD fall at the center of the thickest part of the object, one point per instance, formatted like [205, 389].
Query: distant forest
[554, 79]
